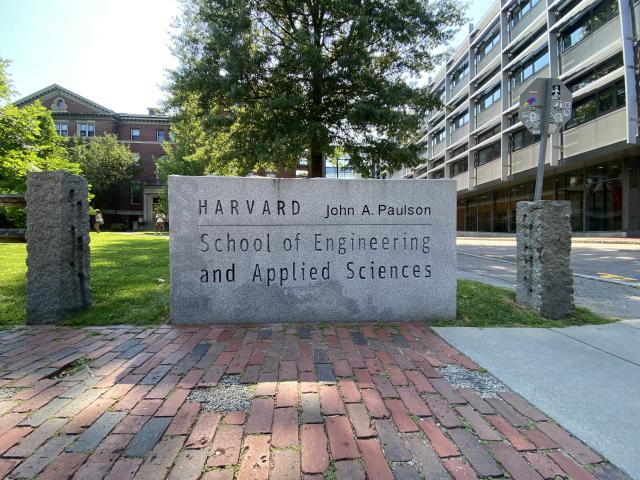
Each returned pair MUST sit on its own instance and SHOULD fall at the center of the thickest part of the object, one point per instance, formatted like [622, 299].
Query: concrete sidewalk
[586, 378]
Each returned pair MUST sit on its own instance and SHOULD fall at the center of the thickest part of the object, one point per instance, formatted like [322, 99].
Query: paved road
[608, 261]
[606, 277]
[586, 378]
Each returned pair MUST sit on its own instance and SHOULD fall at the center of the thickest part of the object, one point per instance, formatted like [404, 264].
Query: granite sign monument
[254, 250]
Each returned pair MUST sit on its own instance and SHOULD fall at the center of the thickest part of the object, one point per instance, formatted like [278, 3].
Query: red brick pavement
[112, 402]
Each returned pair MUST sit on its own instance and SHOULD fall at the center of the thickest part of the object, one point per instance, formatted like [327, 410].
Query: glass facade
[593, 164]
[633, 196]
[595, 193]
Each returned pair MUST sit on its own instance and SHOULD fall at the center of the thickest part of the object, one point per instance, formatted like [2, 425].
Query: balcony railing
[459, 133]
[438, 149]
[462, 83]
[527, 158]
[462, 181]
[605, 130]
[515, 93]
[488, 58]
[489, 171]
[527, 19]
[598, 40]
[486, 115]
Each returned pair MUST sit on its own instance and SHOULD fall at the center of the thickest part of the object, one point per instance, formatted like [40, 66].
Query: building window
[136, 193]
[487, 45]
[135, 134]
[62, 127]
[521, 139]
[606, 100]
[591, 21]
[488, 99]
[439, 174]
[486, 135]
[459, 74]
[87, 129]
[436, 163]
[460, 121]
[487, 154]
[520, 11]
[438, 137]
[459, 167]
[160, 135]
[458, 151]
[530, 67]
[594, 74]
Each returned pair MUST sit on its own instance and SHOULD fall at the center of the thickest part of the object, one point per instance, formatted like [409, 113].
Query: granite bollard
[545, 280]
[257, 250]
[58, 268]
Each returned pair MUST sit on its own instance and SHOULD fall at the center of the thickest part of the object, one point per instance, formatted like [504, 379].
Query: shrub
[118, 227]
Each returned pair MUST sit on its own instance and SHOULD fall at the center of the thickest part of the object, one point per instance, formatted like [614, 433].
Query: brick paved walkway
[350, 402]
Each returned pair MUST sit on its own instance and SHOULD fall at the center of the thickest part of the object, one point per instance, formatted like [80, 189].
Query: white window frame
[158, 132]
[79, 126]
[59, 123]
[131, 134]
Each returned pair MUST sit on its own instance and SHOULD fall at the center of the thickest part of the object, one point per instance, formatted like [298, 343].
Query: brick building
[143, 133]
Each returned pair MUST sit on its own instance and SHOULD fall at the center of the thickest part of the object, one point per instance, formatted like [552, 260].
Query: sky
[113, 52]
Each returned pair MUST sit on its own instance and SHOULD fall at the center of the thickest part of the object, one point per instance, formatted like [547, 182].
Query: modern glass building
[479, 141]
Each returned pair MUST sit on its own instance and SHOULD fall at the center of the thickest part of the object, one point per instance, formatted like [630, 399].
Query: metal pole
[544, 130]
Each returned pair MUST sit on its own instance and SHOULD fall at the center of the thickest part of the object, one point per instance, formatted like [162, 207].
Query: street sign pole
[543, 227]
[544, 130]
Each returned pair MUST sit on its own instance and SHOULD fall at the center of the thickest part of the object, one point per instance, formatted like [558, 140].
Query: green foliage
[118, 227]
[16, 216]
[183, 156]
[28, 140]
[104, 161]
[6, 88]
[279, 80]
[28, 143]
[482, 305]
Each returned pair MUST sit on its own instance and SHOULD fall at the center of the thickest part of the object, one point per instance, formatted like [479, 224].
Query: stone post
[58, 269]
[545, 280]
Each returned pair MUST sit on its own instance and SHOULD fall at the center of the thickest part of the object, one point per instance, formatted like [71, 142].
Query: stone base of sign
[545, 280]
[58, 269]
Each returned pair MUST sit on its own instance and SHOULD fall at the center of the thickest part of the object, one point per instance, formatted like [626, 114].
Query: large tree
[105, 163]
[28, 143]
[285, 79]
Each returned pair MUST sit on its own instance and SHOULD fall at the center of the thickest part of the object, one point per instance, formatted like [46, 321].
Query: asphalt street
[606, 276]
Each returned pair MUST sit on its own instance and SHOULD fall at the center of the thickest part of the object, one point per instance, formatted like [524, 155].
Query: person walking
[160, 219]
[98, 221]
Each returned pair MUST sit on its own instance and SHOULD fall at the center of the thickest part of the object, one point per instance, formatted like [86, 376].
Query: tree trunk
[316, 168]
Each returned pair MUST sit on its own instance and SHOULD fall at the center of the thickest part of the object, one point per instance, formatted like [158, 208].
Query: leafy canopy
[28, 143]
[28, 140]
[105, 163]
[285, 79]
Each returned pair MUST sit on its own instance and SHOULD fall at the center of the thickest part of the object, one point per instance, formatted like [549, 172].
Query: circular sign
[532, 105]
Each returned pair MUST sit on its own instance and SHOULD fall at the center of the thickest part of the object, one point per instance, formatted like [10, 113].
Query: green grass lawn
[482, 305]
[130, 284]
[129, 281]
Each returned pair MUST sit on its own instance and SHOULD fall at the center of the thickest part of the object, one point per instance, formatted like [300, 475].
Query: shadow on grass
[482, 305]
[129, 280]
[130, 285]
